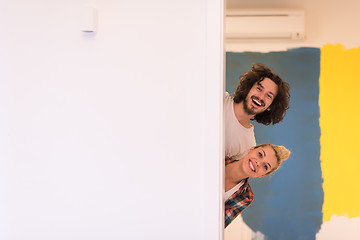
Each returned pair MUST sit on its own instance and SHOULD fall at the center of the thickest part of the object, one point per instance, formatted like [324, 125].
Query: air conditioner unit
[265, 24]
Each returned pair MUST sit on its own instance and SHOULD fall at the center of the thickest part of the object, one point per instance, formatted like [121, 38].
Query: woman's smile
[252, 166]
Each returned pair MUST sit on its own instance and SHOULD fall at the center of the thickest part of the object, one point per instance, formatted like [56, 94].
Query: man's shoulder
[227, 96]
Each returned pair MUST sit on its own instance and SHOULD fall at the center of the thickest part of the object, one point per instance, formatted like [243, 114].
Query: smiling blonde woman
[260, 161]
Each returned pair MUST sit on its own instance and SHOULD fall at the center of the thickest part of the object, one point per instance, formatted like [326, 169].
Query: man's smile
[257, 101]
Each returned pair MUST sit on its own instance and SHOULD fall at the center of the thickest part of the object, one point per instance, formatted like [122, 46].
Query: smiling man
[261, 96]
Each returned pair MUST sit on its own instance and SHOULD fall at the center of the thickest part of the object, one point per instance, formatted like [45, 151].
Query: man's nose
[262, 95]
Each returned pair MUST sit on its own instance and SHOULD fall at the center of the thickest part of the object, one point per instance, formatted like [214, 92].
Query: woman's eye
[266, 167]
[260, 154]
[269, 96]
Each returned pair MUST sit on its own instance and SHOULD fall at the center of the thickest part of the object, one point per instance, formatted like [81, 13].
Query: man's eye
[260, 154]
[266, 167]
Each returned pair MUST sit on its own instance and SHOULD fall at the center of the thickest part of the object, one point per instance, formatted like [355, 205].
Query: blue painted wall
[288, 204]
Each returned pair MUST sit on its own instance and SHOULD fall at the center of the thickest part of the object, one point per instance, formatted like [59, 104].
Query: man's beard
[249, 110]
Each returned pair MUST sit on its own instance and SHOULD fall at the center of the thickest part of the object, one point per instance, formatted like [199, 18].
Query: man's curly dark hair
[256, 74]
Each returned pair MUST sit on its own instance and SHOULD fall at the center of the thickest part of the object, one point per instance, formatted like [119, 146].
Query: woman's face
[259, 161]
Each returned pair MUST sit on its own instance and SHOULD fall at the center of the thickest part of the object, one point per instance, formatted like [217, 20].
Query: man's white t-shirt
[238, 139]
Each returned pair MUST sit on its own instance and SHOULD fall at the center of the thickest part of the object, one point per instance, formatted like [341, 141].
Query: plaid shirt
[239, 200]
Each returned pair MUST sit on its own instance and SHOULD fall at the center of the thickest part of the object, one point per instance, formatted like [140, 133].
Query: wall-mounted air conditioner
[265, 24]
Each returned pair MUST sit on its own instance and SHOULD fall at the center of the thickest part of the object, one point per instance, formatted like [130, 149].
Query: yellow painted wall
[339, 101]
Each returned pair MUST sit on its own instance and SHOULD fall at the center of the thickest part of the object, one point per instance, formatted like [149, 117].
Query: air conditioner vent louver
[265, 24]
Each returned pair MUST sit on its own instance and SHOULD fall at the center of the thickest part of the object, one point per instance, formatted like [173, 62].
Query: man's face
[260, 97]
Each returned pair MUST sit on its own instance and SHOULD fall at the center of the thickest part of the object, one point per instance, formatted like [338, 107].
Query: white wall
[113, 135]
[325, 22]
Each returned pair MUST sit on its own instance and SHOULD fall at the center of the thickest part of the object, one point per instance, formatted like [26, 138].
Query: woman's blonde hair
[281, 153]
